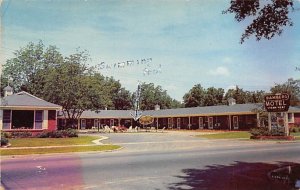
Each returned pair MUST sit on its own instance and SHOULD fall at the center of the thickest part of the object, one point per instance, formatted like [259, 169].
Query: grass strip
[236, 135]
[226, 135]
[6, 152]
[34, 142]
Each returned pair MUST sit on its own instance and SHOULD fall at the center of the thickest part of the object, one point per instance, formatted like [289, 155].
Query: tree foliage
[195, 97]
[291, 87]
[66, 81]
[29, 65]
[269, 17]
[199, 96]
[152, 95]
[243, 97]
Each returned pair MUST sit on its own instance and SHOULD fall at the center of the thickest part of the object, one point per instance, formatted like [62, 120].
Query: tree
[195, 97]
[213, 96]
[291, 87]
[152, 95]
[238, 94]
[122, 100]
[269, 18]
[75, 87]
[66, 81]
[29, 65]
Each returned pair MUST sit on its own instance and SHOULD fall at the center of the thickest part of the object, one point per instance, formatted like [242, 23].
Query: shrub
[262, 131]
[294, 129]
[6, 135]
[4, 141]
[21, 134]
[44, 134]
[70, 133]
[58, 134]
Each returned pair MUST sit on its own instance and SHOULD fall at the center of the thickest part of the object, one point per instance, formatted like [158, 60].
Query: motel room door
[235, 122]
[200, 122]
[210, 122]
[83, 123]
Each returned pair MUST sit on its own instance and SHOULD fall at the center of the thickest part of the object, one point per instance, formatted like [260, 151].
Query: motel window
[38, 119]
[6, 119]
[22, 119]
[291, 117]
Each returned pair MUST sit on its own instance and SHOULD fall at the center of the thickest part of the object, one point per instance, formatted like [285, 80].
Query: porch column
[286, 123]
[1, 120]
[257, 120]
[78, 124]
[119, 122]
[269, 121]
[45, 120]
[156, 123]
[189, 122]
[229, 122]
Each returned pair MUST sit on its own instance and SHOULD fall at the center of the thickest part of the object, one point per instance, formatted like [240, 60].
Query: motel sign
[277, 102]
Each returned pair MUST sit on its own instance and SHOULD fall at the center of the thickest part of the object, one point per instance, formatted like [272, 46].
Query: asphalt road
[156, 161]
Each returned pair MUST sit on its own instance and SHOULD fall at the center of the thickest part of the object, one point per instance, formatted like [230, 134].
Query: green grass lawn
[34, 142]
[22, 151]
[236, 135]
[226, 135]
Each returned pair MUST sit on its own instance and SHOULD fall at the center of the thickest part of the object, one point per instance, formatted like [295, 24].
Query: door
[96, 123]
[83, 124]
[178, 123]
[235, 122]
[170, 123]
[210, 123]
[200, 122]
[112, 122]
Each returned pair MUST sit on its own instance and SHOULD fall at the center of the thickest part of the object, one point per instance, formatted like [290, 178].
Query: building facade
[223, 117]
[25, 112]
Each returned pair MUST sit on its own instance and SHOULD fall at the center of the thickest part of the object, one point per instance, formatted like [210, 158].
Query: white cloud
[220, 71]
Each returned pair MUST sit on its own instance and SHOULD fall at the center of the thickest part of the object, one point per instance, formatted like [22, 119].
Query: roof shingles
[24, 99]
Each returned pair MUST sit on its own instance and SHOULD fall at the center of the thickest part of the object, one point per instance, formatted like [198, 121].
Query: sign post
[278, 103]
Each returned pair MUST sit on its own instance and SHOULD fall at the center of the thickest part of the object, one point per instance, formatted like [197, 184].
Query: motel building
[223, 117]
[25, 112]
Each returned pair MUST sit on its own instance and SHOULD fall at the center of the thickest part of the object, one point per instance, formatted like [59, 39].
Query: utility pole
[137, 113]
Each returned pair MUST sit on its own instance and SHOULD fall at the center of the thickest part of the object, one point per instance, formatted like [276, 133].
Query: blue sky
[189, 41]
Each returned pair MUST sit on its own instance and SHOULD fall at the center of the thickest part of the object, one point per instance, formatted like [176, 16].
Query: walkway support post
[257, 120]
[269, 121]
[286, 123]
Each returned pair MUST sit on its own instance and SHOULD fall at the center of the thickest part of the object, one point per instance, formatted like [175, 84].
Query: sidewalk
[95, 143]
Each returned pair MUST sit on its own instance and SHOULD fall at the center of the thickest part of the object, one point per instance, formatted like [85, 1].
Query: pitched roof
[208, 110]
[181, 112]
[107, 114]
[25, 100]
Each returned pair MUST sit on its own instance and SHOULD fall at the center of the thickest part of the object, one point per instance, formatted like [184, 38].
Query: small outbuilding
[25, 112]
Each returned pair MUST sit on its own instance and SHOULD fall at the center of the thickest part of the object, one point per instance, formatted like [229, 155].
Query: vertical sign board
[278, 103]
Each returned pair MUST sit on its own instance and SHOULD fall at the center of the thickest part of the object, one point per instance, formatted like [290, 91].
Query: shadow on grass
[240, 175]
